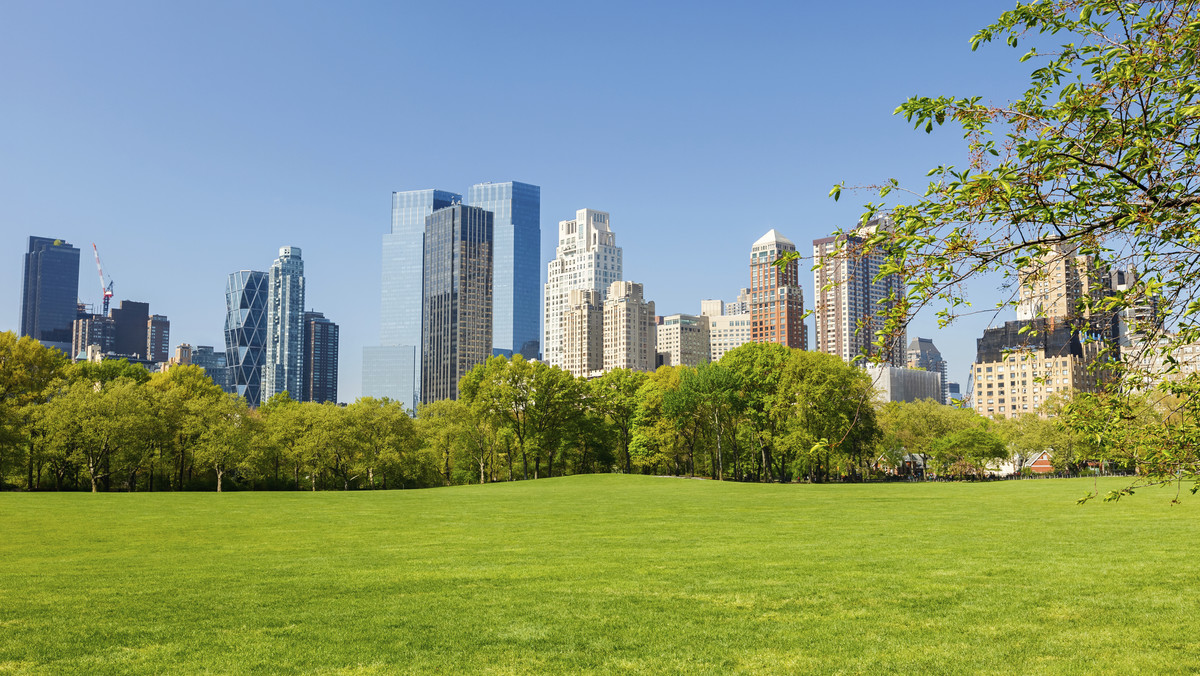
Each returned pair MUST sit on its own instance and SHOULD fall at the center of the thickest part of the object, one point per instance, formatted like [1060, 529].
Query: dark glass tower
[246, 331]
[457, 298]
[393, 368]
[320, 358]
[516, 264]
[49, 301]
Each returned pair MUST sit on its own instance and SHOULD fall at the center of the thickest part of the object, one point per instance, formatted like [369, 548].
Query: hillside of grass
[602, 574]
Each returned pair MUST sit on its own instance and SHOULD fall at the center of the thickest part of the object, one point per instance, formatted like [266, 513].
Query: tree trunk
[220, 474]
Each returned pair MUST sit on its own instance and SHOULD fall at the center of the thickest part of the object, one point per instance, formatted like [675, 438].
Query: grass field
[602, 574]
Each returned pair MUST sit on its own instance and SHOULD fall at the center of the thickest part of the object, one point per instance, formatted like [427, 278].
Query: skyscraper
[630, 335]
[246, 332]
[283, 368]
[587, 257]
[583, 334]
[456, 299]
[131, 322]
[776, 297]
[49, 299]
[923, 354]
[393, 369]
[320, 358]
[516, 262]
[849, 297]
[158, 338]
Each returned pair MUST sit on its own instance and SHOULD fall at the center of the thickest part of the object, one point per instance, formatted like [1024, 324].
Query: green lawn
[603, 574]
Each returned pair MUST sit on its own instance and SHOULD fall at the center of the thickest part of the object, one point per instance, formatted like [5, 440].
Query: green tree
[615, 395]
[1098, 156]
[27, 372]
[225, 441]
[385, 434]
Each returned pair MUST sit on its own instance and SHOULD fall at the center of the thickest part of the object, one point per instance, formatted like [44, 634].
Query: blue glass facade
[246, 331]
[516, 255]
[393, 369]
[49, 301]
[390, 371]
[456, 329]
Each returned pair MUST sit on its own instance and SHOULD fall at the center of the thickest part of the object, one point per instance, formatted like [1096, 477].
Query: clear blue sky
[189, 140]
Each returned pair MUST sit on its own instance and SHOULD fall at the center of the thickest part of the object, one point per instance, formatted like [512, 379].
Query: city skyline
[675, 131]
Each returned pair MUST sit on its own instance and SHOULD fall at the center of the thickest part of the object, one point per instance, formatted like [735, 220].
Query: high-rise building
[923, 354]
[683, 340]
[456, 299]
[131, 322]
[516, 264]
[849, 297]
[49, 299]
[727, 328]
[393, 368]
[587, 257]
[741, 306]
[214, 364]
[158, 338]
[92, 329]
[1141, 319]
[776, 297]
[1061, 283]
[630, 336]
[246, 332]
[320, 358]
[583, 334]
[1021, 364]
[283, 368]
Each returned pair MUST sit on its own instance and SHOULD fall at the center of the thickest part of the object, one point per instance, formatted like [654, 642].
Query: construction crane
[106, 289]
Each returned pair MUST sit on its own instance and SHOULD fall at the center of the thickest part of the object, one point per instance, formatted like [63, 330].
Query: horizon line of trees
[763, 413]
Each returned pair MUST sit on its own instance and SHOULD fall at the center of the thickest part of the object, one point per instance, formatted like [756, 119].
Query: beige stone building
[725, 331]
[1059, 283]
[583, 333]
[630, 338]
[684, 340]
[1015, 373]
[587, 257]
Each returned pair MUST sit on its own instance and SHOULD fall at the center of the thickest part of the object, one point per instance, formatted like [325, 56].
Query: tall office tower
[683, 340]
[846, 311]
[776, 297]
[727, 328]
[923, 354]
[246, 332]
[214, 364]
[392, 369]
[320, 358]
[283, 368]
[516, 264]
[583, 334]
[457, 298]
[131, 322]
[630, 336]
[51, 292]
[158, 338]
[587, 257]
[1059, 282]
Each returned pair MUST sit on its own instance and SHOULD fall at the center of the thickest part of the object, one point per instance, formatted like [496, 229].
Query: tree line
[764, 413]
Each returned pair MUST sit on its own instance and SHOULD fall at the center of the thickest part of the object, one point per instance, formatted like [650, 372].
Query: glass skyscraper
[320, 358]
[393, 368]
[49, 300]
[283, 369]
[246, 332]
[516, 256]
[457, 298]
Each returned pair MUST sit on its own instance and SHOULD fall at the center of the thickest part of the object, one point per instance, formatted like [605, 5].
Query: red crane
[106, 289]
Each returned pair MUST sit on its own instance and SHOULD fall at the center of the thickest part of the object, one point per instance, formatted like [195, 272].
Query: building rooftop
[773, 236]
